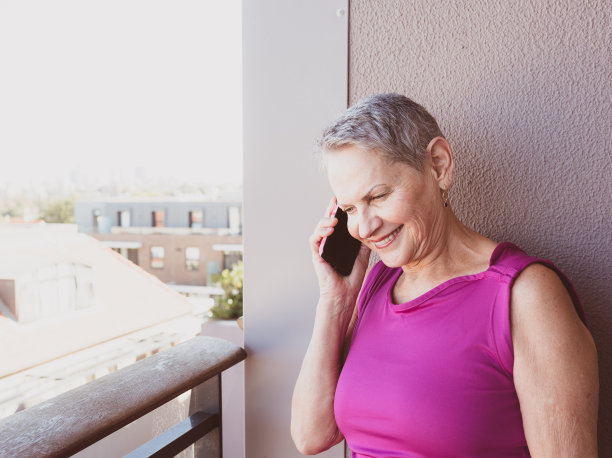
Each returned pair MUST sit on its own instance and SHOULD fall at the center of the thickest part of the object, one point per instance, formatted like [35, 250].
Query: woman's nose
[368, 224]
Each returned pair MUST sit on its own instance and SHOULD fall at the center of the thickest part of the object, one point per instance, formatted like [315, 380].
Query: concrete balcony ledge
[74, 420]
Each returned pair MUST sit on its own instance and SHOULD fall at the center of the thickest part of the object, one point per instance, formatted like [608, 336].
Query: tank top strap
[510, 260]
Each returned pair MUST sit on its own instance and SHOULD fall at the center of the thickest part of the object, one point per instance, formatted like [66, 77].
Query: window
[157, 217]
[233, 214]
[123, 218]
[229, 259]
[132, 255]
[192, 258]
[157, 257]
[96, 220]
[196, 218]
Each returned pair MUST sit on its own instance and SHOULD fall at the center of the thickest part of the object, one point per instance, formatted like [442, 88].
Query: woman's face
[392, 208]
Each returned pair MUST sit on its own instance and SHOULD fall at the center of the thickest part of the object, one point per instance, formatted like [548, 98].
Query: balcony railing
[74, 420]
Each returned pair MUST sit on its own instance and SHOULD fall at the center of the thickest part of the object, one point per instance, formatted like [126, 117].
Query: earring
[445, 197]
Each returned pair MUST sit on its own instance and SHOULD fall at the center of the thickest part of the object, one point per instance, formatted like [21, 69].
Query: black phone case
[341, 249]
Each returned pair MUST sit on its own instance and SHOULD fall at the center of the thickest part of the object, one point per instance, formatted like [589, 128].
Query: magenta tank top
[433, 377]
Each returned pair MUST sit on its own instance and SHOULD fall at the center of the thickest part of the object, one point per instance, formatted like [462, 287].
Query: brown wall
[522, 90]
[175, 270]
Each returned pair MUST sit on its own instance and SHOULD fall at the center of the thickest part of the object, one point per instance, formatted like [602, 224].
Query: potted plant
[229, 305]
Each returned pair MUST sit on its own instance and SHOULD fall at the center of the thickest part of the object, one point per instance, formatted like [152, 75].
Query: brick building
[181, 242]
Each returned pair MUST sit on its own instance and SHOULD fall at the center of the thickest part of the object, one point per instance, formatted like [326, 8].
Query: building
[181, 242]
[99, 216]
[72, 310]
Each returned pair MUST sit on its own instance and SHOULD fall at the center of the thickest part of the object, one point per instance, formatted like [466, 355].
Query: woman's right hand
[313, 425]
[334, 287]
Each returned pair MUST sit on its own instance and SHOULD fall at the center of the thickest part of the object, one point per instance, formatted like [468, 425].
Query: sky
[101, 88]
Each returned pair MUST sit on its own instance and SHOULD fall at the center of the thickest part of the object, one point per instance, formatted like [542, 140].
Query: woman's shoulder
[551, 344]
[538, 282]
[509, 256]
[539, 293]
[534, 280]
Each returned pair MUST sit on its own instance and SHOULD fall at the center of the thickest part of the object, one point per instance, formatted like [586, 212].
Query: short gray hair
[391, 124]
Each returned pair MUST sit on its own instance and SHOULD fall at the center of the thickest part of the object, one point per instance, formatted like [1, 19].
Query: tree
[59, 211]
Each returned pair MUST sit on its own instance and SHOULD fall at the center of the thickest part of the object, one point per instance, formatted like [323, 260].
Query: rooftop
[232, 197]
[127, 298]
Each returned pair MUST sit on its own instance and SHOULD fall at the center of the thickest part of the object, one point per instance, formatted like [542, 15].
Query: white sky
[110, 85]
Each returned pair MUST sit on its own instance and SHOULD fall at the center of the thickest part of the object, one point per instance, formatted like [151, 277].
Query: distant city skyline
[113, 91]
[138, 181]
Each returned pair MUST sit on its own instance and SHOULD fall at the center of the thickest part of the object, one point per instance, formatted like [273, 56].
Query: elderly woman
[454, 345]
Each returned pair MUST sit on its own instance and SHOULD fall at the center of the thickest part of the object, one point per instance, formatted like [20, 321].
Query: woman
[458, 345]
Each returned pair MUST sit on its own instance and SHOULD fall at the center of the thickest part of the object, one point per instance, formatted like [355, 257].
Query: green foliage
[12, 208]
[58, 211]
[229, 306]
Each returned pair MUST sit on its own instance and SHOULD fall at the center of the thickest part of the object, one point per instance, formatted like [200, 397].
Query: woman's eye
[349, 210]
[379, 196]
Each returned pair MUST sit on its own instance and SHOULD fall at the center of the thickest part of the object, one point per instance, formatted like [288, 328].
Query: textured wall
[523, 91]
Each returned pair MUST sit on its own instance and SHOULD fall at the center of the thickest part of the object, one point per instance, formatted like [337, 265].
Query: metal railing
[72, 421]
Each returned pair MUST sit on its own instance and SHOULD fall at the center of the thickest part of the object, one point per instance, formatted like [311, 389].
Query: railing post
[207, 398]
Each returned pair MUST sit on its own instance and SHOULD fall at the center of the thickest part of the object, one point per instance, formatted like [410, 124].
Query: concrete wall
[522, 90]
[295, 82]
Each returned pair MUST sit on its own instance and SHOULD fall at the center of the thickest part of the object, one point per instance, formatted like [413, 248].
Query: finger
[328, 222]
[326, 226]
[324, 231]
[325, 223]
[331, 206]
[319, 233]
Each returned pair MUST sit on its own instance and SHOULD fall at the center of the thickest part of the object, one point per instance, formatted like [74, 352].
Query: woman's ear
[440, 158]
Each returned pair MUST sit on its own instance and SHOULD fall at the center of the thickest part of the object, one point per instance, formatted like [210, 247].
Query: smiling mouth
[388, 239]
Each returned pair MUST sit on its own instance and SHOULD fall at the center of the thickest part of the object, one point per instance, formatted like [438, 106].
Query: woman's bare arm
[313, 424]
[555, 367]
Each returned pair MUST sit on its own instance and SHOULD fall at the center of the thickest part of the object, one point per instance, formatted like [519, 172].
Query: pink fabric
[433, 377]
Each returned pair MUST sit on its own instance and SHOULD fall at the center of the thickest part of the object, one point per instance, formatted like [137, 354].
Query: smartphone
[340, 249]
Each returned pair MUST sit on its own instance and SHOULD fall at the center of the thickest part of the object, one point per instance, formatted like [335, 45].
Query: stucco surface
[523, 91]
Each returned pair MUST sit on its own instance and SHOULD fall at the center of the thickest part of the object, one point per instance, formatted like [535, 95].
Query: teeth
[390, 237]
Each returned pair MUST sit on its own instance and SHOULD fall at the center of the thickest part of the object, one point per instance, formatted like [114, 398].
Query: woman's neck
[455, 251]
